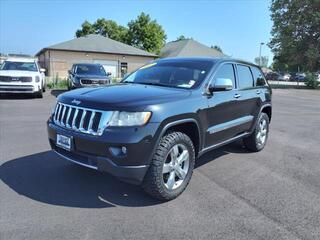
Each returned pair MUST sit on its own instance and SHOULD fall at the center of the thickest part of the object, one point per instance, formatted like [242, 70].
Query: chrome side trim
[80, 163]
[230, 124]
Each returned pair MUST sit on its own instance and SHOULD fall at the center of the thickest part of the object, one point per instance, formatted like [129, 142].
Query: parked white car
[22, 75]
[286, 77]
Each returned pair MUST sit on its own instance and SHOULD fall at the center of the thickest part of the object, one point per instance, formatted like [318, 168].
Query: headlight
[129, 118]
[75, 79]
[37, 78]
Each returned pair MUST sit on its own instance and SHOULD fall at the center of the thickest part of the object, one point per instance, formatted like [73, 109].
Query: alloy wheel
[262, 132]
[176, 166]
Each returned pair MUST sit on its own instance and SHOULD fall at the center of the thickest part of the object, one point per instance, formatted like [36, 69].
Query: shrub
[312, 81]
[58, 83]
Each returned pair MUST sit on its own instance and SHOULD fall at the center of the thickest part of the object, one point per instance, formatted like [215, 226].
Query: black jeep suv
[151, 128]
[87, 74]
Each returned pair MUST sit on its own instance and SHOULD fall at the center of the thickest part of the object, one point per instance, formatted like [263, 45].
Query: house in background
[188, 48]
[116, 57]
[2, 58]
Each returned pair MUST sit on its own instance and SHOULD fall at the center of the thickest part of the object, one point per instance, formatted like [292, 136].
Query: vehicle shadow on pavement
[57, 92]
[22, 96]
[235, 147]
[47, 178]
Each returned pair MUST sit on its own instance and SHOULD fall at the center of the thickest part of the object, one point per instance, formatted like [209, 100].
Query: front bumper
[96, 151]
[14, 88]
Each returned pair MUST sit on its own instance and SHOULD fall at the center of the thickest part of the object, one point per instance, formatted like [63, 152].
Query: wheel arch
[267, 109]
[188, 126]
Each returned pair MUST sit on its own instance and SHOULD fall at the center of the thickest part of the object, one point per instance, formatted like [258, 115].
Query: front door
[223, 113]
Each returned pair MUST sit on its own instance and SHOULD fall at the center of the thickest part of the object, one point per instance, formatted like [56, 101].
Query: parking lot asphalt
[233, 194]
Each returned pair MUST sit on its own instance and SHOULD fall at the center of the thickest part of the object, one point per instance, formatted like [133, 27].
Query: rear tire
[258, 139]
[171, 168]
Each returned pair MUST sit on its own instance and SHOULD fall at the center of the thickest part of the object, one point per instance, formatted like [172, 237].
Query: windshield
[20, 66]
[181, 74]
[90, 70]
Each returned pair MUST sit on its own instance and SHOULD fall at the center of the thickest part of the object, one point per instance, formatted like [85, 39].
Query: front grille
[81, 119]
[15, 79]
[92, 81]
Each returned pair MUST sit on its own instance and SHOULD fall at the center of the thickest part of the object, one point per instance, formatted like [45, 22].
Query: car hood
[122, 96]
[90, 76]
[15, 73]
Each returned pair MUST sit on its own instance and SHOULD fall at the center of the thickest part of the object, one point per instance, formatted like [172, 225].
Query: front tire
[171, 168]
[258, 139]
[38, 94]
[43, 87]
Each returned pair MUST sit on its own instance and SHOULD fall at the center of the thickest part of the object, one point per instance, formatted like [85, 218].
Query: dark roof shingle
[98, 43]
[188, 48]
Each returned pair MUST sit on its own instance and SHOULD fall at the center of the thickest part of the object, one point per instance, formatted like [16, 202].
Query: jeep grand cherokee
[151, 128]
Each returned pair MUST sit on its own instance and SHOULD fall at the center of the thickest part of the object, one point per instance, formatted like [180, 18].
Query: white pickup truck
[22, 75]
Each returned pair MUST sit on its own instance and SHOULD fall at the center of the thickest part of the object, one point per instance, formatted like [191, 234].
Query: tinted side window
[258, 77]
[226, 71]
[245, 77]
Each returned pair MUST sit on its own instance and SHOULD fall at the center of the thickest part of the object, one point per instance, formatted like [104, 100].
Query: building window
[124, 69]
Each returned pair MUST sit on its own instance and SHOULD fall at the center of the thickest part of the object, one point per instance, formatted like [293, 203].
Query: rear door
[248, 97]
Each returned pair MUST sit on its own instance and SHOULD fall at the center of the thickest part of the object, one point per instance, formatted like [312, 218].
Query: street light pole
[260, 53]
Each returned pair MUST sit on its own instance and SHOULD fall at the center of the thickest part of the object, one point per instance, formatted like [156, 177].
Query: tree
[107, 28]
[86, 29]
[218, 48]
[295, 34]
[264, 61]
[146, 34]
[181, 37]
[142, 33]
[110, 29]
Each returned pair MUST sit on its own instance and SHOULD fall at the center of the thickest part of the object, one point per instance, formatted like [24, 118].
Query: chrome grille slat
[62, 116]
[68, 116]
[57, 117]
[80, 119]
[55, 112]
[91, 122]
[74, 119]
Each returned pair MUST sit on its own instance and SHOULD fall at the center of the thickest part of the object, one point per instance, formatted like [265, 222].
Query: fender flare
[257, 117]
[264, 106]
[172, 124]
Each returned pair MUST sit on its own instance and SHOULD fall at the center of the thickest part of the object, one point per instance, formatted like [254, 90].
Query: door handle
[258, 91]
[237, 95]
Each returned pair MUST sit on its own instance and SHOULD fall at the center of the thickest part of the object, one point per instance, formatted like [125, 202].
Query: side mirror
[42, 70]
[221, 84]
[69, 71]
[109, 74]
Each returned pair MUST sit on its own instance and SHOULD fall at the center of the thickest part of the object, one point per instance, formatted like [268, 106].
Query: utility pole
[260, 53]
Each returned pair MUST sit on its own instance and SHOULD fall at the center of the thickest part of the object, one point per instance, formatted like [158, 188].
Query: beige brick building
[116, 57]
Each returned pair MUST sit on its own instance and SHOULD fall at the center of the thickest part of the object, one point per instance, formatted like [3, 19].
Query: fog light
[118, 151]
[124, 150]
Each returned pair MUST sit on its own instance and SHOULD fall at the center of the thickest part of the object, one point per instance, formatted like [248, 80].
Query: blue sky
[236, 26]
